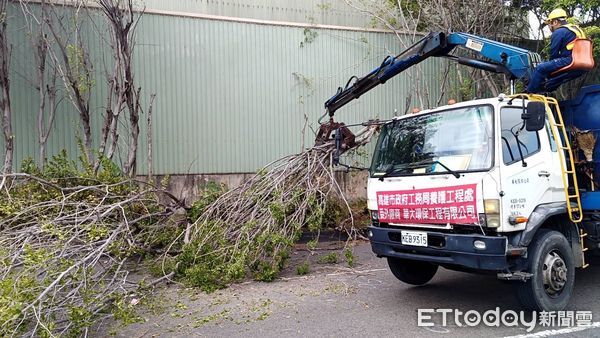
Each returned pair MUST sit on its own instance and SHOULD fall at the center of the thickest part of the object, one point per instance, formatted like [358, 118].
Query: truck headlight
[492, 212]
[492, 220]
[375, 218]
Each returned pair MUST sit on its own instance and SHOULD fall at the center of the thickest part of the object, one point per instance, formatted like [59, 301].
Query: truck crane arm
[498, 57]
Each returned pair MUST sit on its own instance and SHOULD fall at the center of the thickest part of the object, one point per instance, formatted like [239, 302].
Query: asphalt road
[334, 301]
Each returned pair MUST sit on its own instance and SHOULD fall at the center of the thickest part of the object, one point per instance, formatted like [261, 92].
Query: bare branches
[66, 251]
[60, 38]
[308, 174]
[489, 18]
[122, 93]
[404, 19]
[71, 61]
[251, 228]
[46, 80]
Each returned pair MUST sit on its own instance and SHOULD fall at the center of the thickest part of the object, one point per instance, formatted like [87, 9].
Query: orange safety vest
[578, 33]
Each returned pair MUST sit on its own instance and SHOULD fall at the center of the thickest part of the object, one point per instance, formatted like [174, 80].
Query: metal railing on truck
[567, 165]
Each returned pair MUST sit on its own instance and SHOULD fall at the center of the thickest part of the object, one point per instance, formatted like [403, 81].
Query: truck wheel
[552, 264]
[412, 272]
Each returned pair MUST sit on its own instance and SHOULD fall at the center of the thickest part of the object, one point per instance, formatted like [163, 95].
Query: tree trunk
[120, 16]
[132, 98]
[5, 88]
[114, 134]
[149, 138]
[40, 48]
[42, 105]
[107, 123]
[7, 126]
[45, 131]
[134, 118]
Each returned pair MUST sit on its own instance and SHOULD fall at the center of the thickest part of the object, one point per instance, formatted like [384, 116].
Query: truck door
[556, 179]
[526, 166]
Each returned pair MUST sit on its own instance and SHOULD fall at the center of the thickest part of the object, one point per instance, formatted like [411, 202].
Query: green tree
[493, 19]
[584, 13]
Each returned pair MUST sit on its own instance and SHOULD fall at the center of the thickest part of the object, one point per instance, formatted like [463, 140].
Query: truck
[491, 185]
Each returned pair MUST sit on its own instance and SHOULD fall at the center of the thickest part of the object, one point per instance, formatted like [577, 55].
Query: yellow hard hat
[558, 13]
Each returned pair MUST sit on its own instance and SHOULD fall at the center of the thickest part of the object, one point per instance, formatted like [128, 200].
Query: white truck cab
[468, 187]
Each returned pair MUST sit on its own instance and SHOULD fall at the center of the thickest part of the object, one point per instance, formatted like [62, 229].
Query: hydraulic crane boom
[498, 57]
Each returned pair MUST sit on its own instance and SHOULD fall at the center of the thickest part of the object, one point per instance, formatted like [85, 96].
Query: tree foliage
[585, 13]
[69, 241]
[492, 19]
[505, 21]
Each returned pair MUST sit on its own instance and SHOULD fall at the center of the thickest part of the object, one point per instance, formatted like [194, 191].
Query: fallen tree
[67, 246]
[250, 230]
[71, 240]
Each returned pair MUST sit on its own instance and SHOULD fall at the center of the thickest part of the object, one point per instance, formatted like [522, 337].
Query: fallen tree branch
[250, 229]
[65, 250]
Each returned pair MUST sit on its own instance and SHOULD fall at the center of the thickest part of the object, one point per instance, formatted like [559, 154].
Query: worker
[561, 44]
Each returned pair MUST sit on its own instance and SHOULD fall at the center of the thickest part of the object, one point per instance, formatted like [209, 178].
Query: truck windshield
[458, 139]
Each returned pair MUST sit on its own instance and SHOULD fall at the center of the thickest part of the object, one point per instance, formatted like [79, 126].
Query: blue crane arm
[518, 63]
[515, 62]
[391, 66]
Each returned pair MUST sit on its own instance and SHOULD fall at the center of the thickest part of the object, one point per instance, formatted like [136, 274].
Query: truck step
[515, 276]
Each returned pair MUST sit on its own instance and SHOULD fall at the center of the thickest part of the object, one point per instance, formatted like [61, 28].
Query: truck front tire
[412, 272]
[552, 266]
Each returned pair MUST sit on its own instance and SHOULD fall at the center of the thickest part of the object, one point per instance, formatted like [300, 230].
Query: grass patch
[303, 269]
[330, 258]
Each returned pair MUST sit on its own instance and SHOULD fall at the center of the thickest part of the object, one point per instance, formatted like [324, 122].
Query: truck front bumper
[443, 248]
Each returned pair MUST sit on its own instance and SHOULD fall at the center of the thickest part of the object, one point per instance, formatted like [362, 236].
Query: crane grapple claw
[326, 130]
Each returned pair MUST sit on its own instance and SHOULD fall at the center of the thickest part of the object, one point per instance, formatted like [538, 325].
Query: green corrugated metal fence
[331, 12]
[230, 96]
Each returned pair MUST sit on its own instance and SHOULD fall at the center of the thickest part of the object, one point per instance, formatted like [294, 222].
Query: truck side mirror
[535, 116]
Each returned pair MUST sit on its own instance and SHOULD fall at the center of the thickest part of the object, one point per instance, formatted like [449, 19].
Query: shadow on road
[466, 291]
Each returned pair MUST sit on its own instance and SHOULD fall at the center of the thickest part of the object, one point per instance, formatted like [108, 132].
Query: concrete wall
[188, 187]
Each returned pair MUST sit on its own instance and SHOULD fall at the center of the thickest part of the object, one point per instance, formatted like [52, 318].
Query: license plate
[414, 238]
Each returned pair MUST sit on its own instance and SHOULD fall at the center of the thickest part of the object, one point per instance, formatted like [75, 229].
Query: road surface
[334, 300]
